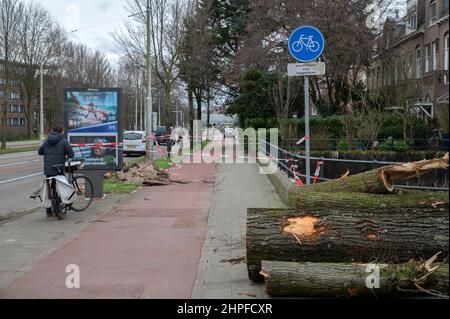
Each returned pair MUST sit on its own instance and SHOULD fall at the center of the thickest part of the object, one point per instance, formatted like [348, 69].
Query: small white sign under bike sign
[303, 69]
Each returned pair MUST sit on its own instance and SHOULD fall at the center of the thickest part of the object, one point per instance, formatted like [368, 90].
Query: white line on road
[20, 154]
[18, 163]
[19, 178]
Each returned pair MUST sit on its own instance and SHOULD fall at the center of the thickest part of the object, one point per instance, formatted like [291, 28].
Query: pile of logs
[324, 246]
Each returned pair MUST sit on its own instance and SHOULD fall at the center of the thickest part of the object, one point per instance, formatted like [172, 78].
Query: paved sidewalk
[222, 271]
[148, 247]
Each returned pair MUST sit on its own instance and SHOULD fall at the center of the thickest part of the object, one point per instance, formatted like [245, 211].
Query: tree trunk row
[345, 280]
[332, 234]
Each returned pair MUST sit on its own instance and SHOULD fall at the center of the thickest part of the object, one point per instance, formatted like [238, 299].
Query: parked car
[229, 132]
[161, 135]
[134, 142]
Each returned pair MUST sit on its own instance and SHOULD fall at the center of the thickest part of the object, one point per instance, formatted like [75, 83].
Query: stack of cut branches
[143, 172]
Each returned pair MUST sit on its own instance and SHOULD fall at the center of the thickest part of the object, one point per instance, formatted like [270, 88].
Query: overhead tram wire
[103, 23]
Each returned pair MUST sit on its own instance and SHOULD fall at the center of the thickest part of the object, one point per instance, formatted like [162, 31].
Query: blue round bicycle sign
[306, 43]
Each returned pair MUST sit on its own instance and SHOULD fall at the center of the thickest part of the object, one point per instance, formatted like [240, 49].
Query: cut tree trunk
[345, 280]
[306, 198]
[330, 234]
[380, 180]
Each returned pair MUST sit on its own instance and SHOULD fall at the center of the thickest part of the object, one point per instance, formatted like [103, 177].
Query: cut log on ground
[306, 198]
[330, 234]
[345, 280]
[380, 180]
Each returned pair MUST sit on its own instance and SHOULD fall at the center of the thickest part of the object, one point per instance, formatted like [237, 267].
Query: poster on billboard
[93, 126]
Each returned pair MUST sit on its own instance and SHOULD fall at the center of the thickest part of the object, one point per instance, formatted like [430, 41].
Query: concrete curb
[283, 186]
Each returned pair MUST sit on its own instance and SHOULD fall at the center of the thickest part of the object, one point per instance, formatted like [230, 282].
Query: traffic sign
[306, 43]
[302, 69]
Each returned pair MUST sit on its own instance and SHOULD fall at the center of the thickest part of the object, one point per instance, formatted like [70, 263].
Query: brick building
[15, 112]
[412, 60]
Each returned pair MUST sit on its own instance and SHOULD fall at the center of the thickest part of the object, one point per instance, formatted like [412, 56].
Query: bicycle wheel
[297, 46]
[58, 208]
[84, 193]
[314, 46]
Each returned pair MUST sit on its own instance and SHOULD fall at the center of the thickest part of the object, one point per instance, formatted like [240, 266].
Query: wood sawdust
[301, 226]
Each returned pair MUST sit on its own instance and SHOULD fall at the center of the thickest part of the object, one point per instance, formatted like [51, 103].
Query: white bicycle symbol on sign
[306, 42]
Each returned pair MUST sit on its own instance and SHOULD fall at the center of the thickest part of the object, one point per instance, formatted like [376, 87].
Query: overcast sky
[82, 14]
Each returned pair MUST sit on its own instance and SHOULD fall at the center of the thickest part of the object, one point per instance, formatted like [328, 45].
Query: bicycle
[306, 42]
[83, 190]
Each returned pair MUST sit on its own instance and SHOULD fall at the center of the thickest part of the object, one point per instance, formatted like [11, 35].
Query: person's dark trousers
[49, 210]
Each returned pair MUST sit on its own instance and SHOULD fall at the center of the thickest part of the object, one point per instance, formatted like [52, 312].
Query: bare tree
[283, 96]
[10, 13]
[166, 22]
[348, 26]
[38, 38]
[73, 65]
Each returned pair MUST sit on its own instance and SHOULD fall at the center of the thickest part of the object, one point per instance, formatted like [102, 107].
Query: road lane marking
[19, 154]
[19, 178]
[18, 163]
[11, 164]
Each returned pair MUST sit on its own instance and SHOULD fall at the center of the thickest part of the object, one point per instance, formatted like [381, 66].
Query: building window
[427, 58]
[412, 23]
[445, 6]
[15, 82]
[16, 121]
[16, 108]
[14, 95]
[379, 77]
[436, 55]
[446, 53]
[408, 65]
[433, 11]
[418, 63]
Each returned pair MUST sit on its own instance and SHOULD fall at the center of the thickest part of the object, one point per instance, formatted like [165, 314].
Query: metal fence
[286, 160]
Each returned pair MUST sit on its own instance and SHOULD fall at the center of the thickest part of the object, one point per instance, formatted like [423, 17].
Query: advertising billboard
[93, 126]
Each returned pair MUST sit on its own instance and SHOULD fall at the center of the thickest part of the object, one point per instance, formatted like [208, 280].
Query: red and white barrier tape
[317, 172]
[299, 142]
[97, 144]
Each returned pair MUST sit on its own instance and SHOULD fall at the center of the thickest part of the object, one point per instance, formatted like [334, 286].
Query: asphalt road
[20, 175]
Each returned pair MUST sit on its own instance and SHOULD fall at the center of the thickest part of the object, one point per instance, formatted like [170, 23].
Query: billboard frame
[119, 114]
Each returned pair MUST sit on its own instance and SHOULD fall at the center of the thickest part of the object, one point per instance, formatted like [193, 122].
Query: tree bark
[308, 198]
[345, 280]
[382, 180]
[331, 234]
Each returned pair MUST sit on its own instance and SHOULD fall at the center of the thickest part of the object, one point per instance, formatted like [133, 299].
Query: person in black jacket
[55, 149]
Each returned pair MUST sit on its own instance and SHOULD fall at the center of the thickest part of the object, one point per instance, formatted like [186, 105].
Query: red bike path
[148, 246]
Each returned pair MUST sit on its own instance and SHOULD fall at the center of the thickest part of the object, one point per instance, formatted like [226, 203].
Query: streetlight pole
[149, 131]
[41, 113]
[159, 108]
[176, 108]
[136, 105]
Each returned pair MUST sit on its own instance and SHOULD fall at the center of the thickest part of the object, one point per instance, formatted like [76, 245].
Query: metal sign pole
[306, 44]
[41, 109]
[307, 138]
